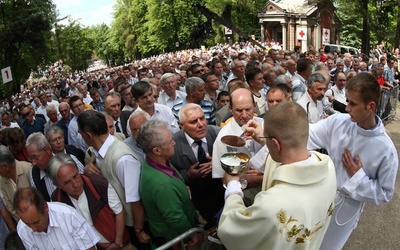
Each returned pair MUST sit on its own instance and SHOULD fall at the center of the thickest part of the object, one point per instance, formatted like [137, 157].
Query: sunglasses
[26, 114]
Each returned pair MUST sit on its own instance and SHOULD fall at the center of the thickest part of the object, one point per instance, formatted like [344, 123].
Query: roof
[293, 6]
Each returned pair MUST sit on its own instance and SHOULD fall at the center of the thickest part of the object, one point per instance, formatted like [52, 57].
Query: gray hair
[166, 76]
[188, 106]
[50, 107]
[134, 115]
[53, 130]
[316, 77]
[281, 79]
[192, 83]
[320, 66]
[56, 162]
[150, 135]
[7, 158]
[37, 139]
[339, 60]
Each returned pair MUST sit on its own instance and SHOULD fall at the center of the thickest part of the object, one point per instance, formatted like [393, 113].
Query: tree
[76, 44]
[25, 32]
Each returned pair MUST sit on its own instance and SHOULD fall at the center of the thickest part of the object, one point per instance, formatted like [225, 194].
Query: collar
[191, 140]
[104, 148]
[168, 170]
[304, 173]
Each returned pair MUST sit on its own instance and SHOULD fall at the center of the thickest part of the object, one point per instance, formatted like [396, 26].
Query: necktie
[117, 127]
[201, 154]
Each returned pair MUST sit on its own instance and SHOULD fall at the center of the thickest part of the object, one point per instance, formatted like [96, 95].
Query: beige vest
[108, 167]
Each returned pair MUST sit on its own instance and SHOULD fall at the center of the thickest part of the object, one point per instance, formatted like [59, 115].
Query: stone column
[284, 35]
[262, 32]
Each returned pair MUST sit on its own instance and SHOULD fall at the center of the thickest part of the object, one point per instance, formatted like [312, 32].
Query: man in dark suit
[193, 148]
[112, 104]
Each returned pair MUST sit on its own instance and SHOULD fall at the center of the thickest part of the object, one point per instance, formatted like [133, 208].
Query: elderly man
[126, 95]
[40, 152]
[14, 175]
[31, 124]
[338, 93]
[93, 197]
[120, 166]
[294, 208]
[112, 102]
[143, 95]
[170, 96]
[195, 94]
[311, 100]
[238, 72]
[136, 120]
[193, 148]
[54, 225]
[165, 196]
[55, 138]
[66, 116]
[242, 107]
[53, 117]
[365, 158]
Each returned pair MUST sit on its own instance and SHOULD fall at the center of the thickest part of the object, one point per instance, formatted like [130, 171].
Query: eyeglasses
[49, 96]
[198, 71]
[213, 80]
[26, 114]
[36, 157]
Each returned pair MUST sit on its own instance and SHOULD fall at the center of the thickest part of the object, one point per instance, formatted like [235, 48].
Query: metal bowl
[235, 162]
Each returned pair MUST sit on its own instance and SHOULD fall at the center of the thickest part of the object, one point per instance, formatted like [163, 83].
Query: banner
[302, 33]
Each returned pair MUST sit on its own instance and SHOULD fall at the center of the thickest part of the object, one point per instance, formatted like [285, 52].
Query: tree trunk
[397, 39]
[365, 34]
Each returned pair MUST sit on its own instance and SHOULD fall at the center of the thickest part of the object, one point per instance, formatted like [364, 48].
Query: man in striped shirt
[51, 225]
[195, 89]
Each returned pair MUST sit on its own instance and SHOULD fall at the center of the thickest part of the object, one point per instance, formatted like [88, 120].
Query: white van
[342, 48]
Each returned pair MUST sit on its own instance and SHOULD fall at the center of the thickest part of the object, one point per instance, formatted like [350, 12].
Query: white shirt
[166, 99]
[315, 111]
[67, 229]
[74, 138]
[340, 95]
[42, 110]
[164, 113]
[128, 171]
[232, 128]
[82, 206]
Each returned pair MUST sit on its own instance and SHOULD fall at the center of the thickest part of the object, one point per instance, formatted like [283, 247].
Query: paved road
[379, 226]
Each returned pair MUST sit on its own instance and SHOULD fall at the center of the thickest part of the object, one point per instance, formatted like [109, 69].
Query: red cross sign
[302, 33]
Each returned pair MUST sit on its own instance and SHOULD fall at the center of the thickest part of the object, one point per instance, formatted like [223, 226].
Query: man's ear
[371, 106]
[156, 151]
[277, 145]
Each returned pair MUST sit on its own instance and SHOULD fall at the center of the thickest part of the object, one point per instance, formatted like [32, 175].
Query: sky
[88, 12]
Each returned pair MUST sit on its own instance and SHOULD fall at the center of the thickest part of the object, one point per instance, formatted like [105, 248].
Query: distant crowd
[135, 150]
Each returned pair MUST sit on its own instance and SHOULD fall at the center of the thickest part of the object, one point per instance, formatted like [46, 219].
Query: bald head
[242, 105]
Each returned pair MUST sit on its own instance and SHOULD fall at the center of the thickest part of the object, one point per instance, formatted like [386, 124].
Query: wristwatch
[138, 230]
[243, 183]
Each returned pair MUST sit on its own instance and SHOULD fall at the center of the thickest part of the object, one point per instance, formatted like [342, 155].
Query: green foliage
[25, 29]
[382, 21]
[77, 45]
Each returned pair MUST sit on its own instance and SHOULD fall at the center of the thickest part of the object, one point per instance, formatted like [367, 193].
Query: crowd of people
[128, 157]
